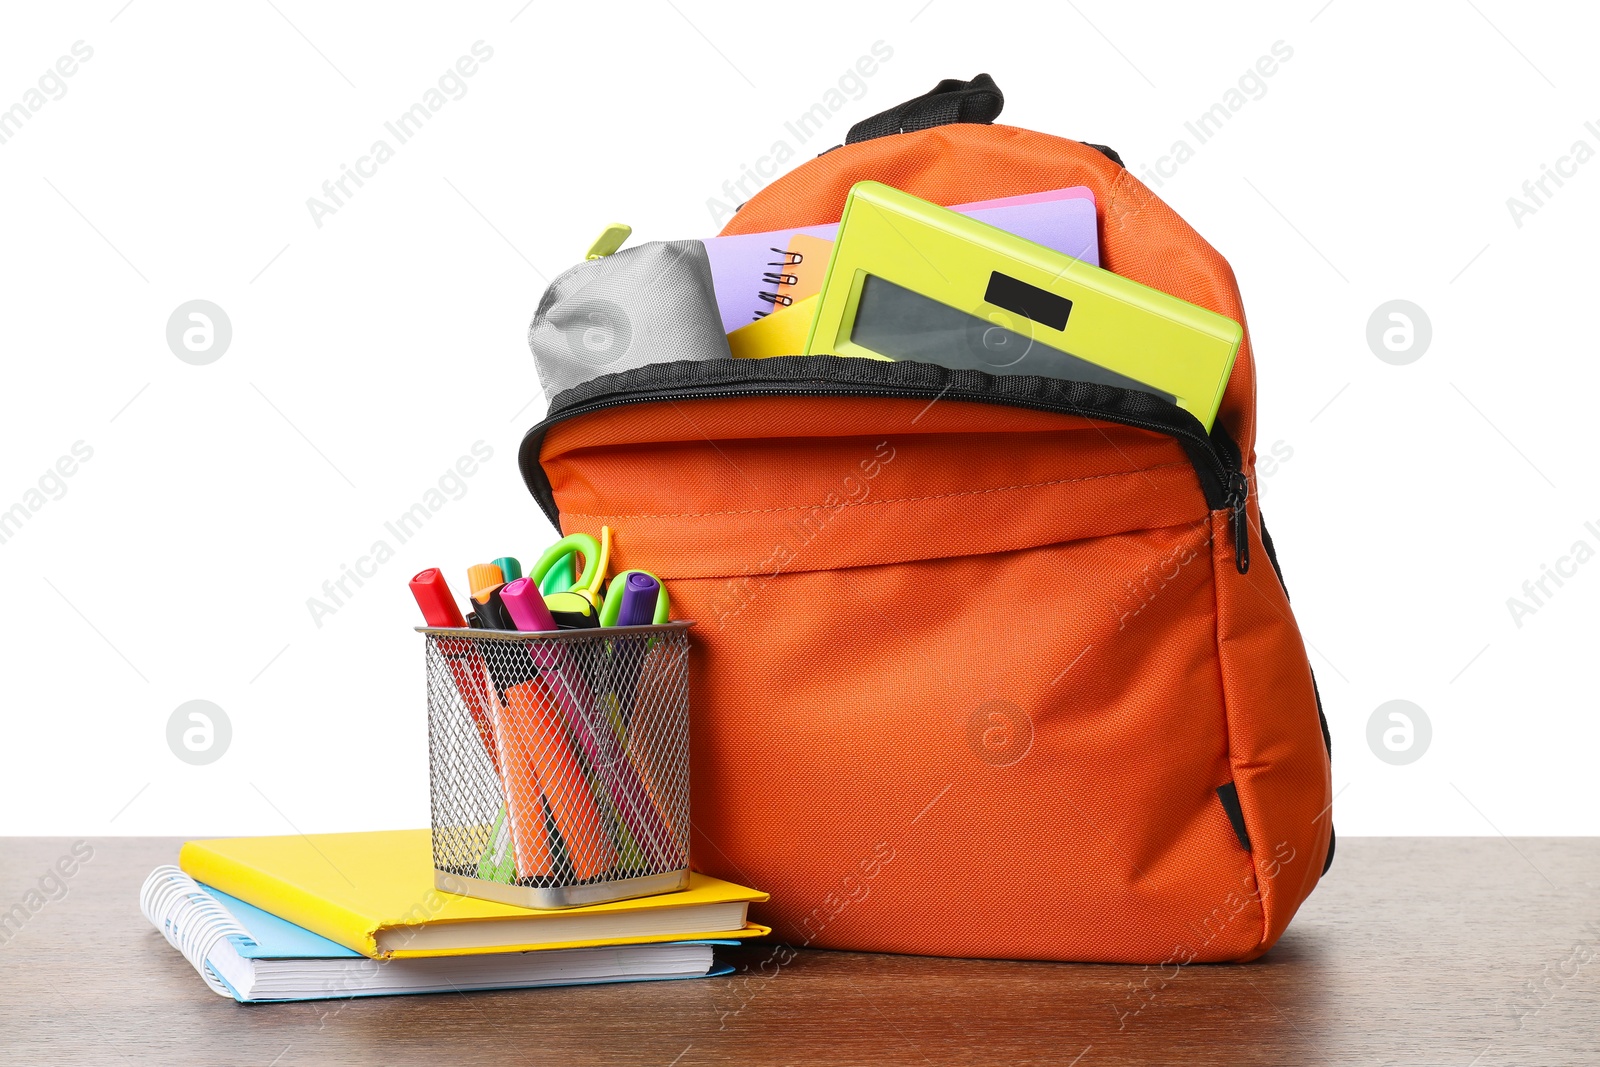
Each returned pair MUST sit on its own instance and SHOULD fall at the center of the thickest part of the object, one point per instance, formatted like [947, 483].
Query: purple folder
[1061, 219]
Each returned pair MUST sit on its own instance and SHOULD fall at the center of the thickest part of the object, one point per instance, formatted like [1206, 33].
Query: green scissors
[596, 555]
[587, 583]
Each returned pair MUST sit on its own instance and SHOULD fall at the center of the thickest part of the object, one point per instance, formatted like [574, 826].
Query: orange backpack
[981, 664]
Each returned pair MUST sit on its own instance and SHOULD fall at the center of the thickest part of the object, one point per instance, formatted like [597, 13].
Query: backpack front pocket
[968, 647]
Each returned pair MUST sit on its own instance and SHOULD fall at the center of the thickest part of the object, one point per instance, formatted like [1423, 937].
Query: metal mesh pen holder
[559, 763]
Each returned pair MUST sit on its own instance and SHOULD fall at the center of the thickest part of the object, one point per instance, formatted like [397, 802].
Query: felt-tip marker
[484, 580]
[433, 597]
[466, 665]
[525, 605]
[638, 600]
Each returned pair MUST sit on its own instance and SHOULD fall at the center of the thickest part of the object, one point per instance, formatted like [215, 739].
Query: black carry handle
[952, 100]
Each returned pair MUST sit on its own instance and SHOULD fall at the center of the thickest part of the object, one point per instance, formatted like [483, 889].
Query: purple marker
[639, 600]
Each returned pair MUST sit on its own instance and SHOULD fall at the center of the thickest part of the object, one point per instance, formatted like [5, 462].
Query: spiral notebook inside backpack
[754, 274]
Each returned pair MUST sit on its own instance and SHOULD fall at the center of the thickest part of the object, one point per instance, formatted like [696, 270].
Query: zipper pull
[609, 241]
[1238, 496]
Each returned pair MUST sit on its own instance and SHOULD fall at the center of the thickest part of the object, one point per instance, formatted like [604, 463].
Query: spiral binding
[189, 918]
[777, 278]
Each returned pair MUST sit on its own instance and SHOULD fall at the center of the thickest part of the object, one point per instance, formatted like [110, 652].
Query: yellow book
[374, 893]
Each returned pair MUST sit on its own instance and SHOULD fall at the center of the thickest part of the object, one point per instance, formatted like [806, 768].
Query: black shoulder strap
[952, 100]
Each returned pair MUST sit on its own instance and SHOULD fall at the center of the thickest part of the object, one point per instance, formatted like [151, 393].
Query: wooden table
[1479, 951]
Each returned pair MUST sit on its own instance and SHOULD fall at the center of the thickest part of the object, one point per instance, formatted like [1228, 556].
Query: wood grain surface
[1463, 951]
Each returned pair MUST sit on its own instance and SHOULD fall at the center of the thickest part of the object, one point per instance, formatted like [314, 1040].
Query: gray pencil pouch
[652, 303]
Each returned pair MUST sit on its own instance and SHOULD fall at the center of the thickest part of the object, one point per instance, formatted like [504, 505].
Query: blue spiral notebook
[255, 957]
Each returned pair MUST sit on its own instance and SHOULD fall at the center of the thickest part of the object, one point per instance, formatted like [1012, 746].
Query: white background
[370, 353]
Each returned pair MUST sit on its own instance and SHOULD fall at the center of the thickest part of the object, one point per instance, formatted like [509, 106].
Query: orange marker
[533, 851]
[539, 762]
[483, 581]
[481, 576]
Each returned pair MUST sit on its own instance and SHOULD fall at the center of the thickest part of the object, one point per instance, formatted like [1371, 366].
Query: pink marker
[525, 604]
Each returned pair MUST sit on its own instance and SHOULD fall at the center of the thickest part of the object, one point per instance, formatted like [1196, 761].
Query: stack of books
[320, 916]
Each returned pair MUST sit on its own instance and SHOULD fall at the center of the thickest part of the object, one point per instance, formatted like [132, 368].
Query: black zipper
[1215, 457]
[1238, 497]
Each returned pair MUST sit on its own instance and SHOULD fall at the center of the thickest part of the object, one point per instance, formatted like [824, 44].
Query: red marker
[467, 668]
[433, 597]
